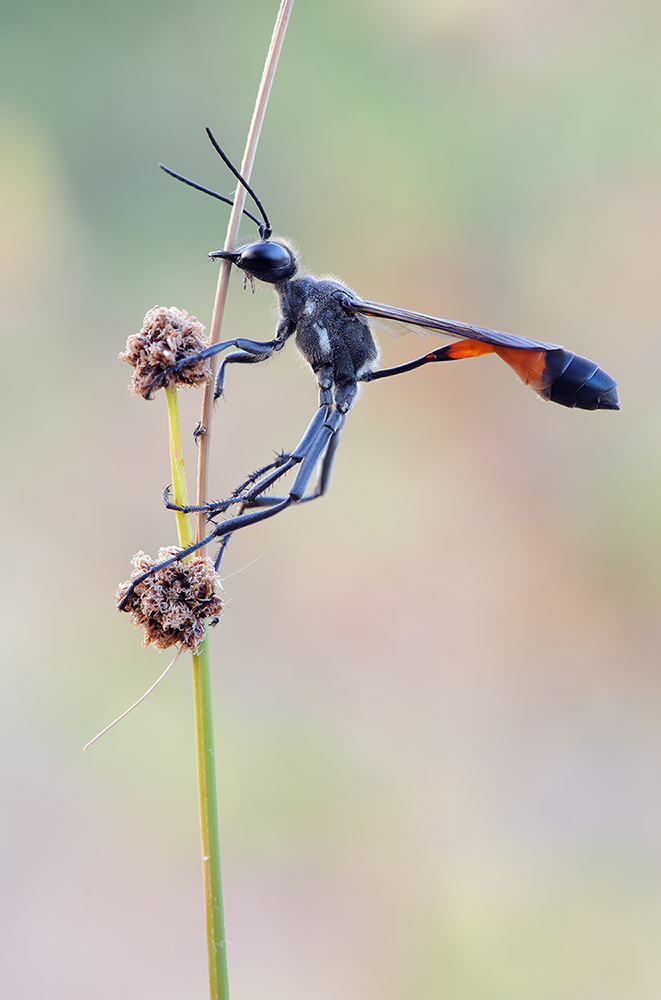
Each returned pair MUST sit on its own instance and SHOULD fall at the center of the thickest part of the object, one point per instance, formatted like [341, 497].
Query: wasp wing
[393, 328]
[554, 373]
[449, 327]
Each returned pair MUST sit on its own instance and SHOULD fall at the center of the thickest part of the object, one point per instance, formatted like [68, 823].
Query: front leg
[257, 349]
[248, 356]
[241, 358]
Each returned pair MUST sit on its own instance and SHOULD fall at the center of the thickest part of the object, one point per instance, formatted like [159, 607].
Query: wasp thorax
[267, 260]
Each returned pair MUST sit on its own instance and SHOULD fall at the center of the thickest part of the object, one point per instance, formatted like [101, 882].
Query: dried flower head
[173, 605]
[168, 336]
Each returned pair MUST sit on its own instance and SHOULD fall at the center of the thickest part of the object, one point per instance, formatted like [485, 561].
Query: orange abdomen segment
[530, 366]
[557, 375]
[563, 377]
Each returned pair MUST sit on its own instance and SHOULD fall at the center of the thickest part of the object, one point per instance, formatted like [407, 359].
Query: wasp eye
[267, 260]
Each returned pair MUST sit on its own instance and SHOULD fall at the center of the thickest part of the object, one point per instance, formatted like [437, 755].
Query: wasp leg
[317, 447]
[218, 506]
[316, 437]
[243, 357]
[249, 352]
[313, 446]
[259, 349]
[322, 449]
[322, 481]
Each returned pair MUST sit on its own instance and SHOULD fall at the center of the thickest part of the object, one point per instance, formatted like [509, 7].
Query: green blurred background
[437, 690]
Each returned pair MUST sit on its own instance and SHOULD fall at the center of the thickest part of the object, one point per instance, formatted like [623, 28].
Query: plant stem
[206, 772]
[179, 488]
[209, 835]
[261, 102]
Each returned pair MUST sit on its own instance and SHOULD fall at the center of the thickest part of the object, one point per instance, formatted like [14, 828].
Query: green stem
[206, 764]
[206, 783]
[206, 769]
[179, 488]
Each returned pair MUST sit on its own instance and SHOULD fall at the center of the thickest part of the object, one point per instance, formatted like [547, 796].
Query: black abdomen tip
[576, 381]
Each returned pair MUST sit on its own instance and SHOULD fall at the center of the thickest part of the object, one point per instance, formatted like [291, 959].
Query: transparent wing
[405, 318]
[394, 328]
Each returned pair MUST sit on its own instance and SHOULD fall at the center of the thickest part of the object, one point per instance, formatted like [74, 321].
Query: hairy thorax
[328, 335]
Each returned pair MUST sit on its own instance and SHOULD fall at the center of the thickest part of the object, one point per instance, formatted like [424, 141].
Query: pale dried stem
[230, 242]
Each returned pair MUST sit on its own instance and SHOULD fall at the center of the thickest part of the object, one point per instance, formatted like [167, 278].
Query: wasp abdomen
[571, 380]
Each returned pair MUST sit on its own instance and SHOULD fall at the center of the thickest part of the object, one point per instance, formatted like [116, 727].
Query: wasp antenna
[213, 194]
[264, 230]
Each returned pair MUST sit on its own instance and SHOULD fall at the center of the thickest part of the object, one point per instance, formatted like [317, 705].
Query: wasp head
[267, 260]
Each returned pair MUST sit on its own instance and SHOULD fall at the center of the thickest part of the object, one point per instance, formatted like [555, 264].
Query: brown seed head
[167, 336]
[173, 605]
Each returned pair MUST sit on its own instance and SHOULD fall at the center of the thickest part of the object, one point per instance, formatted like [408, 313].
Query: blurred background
[437, 689]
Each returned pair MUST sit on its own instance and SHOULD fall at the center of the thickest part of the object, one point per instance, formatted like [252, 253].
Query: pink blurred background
[437, 689]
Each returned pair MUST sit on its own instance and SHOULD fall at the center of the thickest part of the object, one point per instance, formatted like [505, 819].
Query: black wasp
[334, 337]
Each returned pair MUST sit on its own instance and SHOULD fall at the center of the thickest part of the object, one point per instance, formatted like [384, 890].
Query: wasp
[330, 325]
